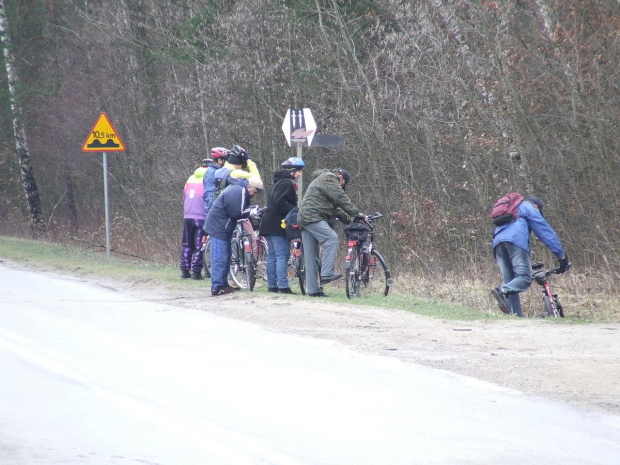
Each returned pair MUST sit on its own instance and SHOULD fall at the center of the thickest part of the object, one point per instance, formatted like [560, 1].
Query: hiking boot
[185, 274]
[196, 275]
[318, 294]
[500, 295]
[222, 291]
[329, 279]
[286, 290]
[272, 289]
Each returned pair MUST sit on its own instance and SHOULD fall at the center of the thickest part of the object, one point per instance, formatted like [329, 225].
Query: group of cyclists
[218, 194]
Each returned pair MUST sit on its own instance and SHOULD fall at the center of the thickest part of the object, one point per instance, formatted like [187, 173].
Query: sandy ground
[574, 364]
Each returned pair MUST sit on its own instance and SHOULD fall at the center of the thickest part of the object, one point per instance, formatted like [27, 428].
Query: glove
[564, 264]
[245, 156]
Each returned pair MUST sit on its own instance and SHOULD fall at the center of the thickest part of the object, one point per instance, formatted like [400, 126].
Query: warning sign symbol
[103, 137]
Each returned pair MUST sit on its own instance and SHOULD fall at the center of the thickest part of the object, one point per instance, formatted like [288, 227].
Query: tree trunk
[28, 180]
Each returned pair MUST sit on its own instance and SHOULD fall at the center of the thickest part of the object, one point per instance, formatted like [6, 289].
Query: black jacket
[281, 200]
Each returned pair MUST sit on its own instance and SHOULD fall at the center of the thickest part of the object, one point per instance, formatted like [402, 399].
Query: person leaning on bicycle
[282, 198]
[325, 199]
[229, 207]
[511, 248]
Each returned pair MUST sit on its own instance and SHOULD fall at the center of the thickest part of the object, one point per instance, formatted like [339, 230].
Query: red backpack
[505, 209]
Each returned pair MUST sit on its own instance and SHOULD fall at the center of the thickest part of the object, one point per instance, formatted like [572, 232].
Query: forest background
[444, 105]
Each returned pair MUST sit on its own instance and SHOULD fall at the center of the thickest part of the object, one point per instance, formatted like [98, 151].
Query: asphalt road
[93, 376]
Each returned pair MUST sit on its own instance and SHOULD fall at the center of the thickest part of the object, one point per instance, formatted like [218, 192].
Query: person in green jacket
[324, 200]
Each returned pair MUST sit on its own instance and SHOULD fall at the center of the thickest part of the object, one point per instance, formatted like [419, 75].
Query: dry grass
[589, 296]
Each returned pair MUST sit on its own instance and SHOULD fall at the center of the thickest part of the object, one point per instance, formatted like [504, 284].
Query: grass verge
[86, 262]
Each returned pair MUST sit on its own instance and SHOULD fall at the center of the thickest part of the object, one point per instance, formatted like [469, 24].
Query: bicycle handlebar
[371, 218]
[540, 275]
[537, 268]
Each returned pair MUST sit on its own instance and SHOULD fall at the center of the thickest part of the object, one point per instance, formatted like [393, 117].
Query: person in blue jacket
[217, 160]
[511, 247]
[231, 205]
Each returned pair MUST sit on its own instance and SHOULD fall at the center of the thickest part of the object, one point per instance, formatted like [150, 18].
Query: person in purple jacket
[511, 247]
[193, 222]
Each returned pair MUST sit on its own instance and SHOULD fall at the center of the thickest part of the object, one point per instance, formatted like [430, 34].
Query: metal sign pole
[104, 138]
[300, 184]
[105, 196]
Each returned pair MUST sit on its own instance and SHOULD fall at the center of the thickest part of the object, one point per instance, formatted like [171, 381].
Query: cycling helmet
[205, 161]
[236, 155]
[219, 152]
[293, 164]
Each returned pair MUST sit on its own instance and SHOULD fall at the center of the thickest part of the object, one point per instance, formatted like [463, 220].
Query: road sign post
[300, 129]
[104, 131]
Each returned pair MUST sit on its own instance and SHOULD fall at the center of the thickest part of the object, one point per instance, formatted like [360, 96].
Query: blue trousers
[220, 262]
[515, 265]
[277, 261]
[191, 258]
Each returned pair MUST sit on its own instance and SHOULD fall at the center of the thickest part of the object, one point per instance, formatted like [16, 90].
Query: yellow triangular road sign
[103, 137]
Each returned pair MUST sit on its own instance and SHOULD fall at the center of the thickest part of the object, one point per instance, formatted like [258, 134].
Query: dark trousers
[191, 258]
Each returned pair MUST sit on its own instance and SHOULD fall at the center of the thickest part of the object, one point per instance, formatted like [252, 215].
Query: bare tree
[28, 180]
[444, 105]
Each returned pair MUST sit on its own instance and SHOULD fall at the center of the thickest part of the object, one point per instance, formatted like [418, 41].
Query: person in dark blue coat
[282, 199]
[511, 247]
[231, 205]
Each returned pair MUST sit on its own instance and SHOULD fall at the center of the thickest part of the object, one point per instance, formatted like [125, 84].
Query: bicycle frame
[364, 248]
[296, 265]
[551, 302]
[295, 255]
[365, 267]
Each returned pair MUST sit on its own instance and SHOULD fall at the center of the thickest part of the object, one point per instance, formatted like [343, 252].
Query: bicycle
[206, 255]
[237, 268]
[296, 266]
[551, 303]
[261, 256]
[262, 249]
[242, 259]
[366, 269]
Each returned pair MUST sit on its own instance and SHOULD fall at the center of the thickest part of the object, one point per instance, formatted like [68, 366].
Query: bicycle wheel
[375, 279]
[237, 262]
[207, 257]
[547, 306]
[249, 264]
[300, 266]
[291, 271]
[558, 305]
[261, 262]
[353, 275]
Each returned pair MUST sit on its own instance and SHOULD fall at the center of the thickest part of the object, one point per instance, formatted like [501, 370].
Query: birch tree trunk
[28, 180]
